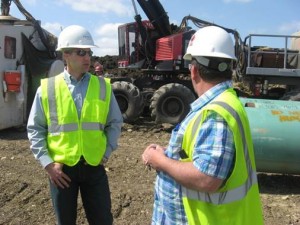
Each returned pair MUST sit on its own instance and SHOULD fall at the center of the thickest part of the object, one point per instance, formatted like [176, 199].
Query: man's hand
[153, 155]
[57, 176]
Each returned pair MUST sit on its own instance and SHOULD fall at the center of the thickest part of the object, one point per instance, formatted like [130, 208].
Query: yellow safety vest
[238, 201]
[68, 137]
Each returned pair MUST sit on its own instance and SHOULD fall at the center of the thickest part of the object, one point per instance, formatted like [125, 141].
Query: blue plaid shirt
[213, 155]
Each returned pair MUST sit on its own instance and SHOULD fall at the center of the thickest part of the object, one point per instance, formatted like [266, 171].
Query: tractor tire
[170, 103]
[129, 99]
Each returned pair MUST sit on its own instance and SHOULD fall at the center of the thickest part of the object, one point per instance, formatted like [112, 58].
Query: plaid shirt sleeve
[214, 151]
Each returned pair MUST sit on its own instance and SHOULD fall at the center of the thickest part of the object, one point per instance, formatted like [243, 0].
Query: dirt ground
[24, 194]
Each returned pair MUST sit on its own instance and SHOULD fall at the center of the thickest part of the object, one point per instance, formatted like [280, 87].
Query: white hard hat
[210, 41]
[75, 36]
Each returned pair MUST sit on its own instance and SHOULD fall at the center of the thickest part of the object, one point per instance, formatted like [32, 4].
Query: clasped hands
[153, 155]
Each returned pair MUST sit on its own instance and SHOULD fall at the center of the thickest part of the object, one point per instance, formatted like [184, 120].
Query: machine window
[10, 47]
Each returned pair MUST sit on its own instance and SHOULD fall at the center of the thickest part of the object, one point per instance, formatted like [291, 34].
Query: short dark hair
[211, 73]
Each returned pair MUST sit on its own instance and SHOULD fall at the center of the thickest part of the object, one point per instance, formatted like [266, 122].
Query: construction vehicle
[27, 54]
[152, 50]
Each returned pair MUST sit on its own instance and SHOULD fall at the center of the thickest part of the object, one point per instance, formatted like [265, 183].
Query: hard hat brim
[189, 56]
[77, 46]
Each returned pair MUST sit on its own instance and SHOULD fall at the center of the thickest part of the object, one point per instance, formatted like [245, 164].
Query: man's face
[78, 60]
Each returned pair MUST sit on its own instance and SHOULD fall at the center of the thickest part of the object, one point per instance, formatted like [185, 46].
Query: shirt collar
[210, 94]
[69, 79]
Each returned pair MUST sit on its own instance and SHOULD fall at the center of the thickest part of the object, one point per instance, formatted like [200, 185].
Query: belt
[83, 161]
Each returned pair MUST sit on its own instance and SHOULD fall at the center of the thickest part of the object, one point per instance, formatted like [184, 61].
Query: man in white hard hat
[73, 127]
[206, 175]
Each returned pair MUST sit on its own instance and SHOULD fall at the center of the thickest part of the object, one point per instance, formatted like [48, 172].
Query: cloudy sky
[102, 17]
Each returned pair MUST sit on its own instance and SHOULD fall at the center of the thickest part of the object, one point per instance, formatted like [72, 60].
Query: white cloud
[53, 28]
[289, 28]
[106, 37]
[101, 6]
[109, 29]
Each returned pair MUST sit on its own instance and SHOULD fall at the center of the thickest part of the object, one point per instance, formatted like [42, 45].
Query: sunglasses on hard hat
[81, 52]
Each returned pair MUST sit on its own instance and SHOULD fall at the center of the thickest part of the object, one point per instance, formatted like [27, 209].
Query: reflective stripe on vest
[233, 194]
[57, 128]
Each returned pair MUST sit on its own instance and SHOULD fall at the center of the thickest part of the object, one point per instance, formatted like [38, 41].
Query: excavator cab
[131, 48]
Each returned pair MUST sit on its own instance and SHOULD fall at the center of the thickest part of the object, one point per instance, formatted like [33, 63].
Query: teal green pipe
[275, 128]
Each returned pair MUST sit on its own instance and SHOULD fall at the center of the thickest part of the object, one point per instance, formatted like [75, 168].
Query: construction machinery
[267, 81]
[27, 54]
[151, 51]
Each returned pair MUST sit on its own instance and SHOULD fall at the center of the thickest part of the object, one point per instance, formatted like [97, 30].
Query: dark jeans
[92, 183]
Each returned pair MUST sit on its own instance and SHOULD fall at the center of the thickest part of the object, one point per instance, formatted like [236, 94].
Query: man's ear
[194, 73]
[195, 76]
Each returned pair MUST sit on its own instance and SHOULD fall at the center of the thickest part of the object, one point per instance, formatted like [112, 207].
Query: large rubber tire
[170, 103]
[129, 99]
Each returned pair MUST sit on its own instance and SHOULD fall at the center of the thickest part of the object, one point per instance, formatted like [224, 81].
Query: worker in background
[73, 138]
[207, 173]
[99, 70]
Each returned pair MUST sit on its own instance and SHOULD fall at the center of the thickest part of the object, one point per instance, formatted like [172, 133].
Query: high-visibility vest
[69, 137]
[238, 201]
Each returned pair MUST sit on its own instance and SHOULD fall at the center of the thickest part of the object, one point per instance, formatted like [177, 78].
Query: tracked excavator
[154, 76]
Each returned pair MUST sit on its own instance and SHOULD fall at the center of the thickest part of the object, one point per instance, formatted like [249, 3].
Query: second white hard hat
[75, 36]
[210, 41]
